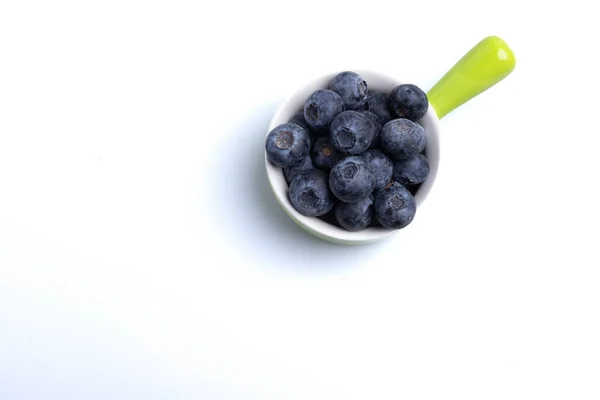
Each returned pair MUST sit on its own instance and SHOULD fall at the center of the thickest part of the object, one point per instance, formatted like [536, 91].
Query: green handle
[486, 64]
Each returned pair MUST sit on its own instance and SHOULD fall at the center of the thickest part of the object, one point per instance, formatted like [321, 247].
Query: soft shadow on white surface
[252, 220]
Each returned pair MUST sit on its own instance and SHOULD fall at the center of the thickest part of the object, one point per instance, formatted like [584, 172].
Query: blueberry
[324, 155]
[409, 101]
[351, 179]
[378, 103]
[290, 172]
[287, 144]
[351, 132]
[376, 125]
[352, 89]
[412, 170]
[355, 216]
[320, 109]
[401, 138]
[309, 193]
[394, 207]
[299, 119]
[381, 167]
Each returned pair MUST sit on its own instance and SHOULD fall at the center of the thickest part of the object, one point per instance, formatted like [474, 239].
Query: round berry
[409, 101]
[412, 170]
[351, 179]
[395, 207]
[351, 87]
[310, 195]
[351, 132]
[320, 109]
[287, 144]
[401, 138]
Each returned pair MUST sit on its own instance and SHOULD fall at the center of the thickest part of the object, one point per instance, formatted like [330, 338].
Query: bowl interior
[316, 226]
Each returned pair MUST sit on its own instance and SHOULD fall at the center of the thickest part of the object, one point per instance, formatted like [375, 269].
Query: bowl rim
[316, 226]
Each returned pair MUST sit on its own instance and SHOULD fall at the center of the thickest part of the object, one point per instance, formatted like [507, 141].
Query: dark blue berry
[324, 155]
[309, 193]
[409, 101]
[376, 125]
[352, 89]
[290, 172]
[299, 119]
[378, 103]
[355, 216]
[351, 179]
[320, 109]
[401, 138]
[287, 144]
[381, 167]
[351, 132]
[412, 170]
[394, 207]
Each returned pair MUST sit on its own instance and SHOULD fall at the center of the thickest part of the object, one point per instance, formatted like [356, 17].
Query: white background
[142, 255]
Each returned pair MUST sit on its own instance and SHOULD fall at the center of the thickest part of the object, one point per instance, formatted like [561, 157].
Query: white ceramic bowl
[322, 229]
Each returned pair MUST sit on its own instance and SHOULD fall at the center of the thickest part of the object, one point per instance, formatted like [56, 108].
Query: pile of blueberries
[353, 155]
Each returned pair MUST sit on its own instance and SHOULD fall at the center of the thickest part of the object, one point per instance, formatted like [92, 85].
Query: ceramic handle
[486, 64]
